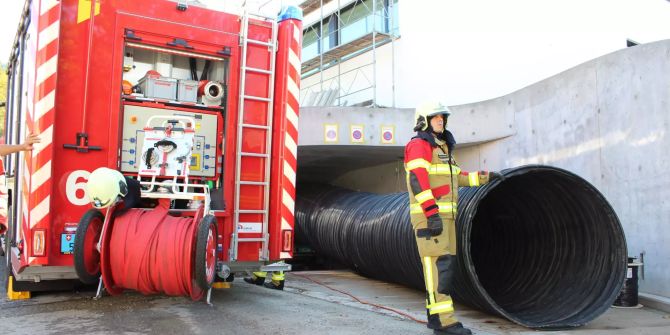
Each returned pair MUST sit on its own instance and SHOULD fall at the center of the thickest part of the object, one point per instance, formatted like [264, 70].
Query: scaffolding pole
[374, 53]
[392, 33]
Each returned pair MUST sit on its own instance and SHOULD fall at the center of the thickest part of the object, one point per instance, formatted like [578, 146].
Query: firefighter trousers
[437, 260]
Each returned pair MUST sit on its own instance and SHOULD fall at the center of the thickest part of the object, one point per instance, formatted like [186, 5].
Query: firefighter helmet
[104, 186]
[428, 110]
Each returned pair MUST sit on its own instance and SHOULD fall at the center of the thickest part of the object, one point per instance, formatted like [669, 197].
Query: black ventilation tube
[543, 248]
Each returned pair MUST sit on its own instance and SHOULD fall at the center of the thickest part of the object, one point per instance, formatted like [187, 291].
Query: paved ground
[306, 306]
[410, 302]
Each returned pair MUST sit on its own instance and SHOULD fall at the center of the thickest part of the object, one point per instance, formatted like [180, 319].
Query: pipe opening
[546, 248]
[213, 91]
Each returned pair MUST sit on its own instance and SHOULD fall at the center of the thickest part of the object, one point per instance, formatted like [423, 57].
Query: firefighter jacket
[433, 178]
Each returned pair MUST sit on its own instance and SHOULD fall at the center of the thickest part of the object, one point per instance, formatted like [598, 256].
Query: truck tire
[86, 254]
[205, 252]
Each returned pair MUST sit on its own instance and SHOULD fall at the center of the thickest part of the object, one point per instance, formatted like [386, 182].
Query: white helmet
[104, 186]
[428, 110]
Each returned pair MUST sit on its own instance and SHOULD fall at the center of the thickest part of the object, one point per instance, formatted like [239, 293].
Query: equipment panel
[203, 158]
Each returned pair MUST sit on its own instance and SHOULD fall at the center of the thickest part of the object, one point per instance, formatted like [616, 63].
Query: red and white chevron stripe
[291, 137]
[37, 182]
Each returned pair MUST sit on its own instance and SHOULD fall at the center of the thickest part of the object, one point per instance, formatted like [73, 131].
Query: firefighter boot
[277, 282]
[455, 329]
[275, 286]
[257, 278]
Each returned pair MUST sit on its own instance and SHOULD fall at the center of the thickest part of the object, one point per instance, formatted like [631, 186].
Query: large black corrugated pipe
[542, 248]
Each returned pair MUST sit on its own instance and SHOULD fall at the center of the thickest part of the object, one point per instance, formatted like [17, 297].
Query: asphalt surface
[242, 308]
[318, 302]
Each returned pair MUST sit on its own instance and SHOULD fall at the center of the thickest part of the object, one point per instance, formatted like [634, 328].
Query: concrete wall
[313, 121]
[607, 120]
[321, 160]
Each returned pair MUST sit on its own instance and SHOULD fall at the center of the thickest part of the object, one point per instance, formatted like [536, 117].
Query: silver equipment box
[188, 91]
[159, 87]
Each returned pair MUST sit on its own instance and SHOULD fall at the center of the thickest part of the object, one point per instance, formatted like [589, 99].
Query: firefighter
[8, 149]
[106, 186]
[433, 178]
[276, 280]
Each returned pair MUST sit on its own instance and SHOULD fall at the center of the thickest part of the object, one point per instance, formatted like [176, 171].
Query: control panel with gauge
[203, 158]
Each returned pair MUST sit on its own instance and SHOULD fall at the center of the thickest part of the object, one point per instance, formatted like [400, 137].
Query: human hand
[31, 139]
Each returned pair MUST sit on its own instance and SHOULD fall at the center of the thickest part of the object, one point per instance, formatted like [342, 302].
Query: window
[353, 22]
[356, 20]
[310, 45]
[327, 34]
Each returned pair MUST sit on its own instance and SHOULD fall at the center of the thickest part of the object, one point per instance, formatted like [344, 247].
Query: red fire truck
[88, 79]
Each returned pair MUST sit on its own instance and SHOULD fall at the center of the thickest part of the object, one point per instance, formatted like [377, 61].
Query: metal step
[259, 183]
[257, 42]
[252, 239]
[257, 70]
[255, 126]
[252, 211]
[252, 97]
[253, 154]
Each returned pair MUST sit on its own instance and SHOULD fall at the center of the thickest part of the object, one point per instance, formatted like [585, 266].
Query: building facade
[399, 53]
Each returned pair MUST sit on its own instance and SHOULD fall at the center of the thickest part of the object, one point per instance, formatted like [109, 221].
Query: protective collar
[446, 136]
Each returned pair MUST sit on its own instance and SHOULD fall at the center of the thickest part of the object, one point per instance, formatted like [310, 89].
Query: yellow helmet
[104, 186]
[427, 110]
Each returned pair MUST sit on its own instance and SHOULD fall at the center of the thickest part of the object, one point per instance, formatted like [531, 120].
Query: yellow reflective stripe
[447, 207]
[417, 163]
[444, 207]
[259, 274]
[428, 273]
[434, 169]
[424, 196]
[474, 178]
[440, 307]
[443, 169]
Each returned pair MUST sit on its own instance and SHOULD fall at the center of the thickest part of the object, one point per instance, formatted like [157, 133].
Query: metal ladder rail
[241, 125]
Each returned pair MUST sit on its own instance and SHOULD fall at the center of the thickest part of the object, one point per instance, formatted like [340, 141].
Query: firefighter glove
[435, 225]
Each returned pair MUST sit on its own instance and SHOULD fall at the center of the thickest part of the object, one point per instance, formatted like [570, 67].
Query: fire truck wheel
[205, 252]
[86, 254]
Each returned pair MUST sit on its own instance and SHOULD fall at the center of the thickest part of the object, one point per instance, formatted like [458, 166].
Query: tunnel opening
[307, 258]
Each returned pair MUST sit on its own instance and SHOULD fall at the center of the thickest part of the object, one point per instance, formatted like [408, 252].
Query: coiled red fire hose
[151, 252]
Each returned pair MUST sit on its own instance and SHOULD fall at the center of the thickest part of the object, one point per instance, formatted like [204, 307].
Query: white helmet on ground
[104, 186]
